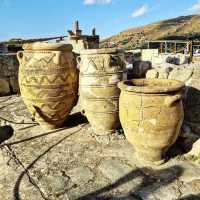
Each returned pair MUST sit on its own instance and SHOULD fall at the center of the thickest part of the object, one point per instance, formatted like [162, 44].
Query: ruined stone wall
[156, 58]
[190, 75]
[83, 43]
[78, 45]
[8, 74]
[149, 54]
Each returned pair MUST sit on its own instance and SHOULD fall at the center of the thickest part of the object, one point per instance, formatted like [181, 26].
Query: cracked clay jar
[151, 114]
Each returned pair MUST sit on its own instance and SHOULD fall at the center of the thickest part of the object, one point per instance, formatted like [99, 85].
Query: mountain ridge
[182, 27]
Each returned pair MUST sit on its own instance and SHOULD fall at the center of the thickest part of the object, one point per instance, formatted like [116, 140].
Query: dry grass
[184, 27]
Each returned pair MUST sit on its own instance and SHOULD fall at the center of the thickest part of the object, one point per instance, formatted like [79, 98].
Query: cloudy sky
[44, 18]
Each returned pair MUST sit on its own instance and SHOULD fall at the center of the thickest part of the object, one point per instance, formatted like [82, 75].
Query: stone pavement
[69, 164]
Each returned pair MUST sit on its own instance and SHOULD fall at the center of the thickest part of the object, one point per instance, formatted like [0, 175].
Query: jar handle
[172, 99]
[78, 60]
[20, 55]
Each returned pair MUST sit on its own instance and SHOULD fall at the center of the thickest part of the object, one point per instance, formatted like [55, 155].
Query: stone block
[195, 151]
[14, 84]
[181, 74]
[8, 65]
[148, 54]
[153, 73]
[4, 87]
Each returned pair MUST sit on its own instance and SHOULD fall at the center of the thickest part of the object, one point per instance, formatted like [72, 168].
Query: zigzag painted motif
[44, 79]
[38, 72]
[44, 60]
[55, 106]
[46, 93]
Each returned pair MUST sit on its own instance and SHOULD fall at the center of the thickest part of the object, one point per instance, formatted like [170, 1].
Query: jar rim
[151, 86]
[47, 46]
[101, 51]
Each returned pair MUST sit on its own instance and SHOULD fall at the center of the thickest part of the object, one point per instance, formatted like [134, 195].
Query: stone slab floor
[70, 164]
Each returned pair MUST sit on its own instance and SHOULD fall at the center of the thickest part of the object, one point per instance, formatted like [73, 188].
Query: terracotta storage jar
[151, 114]
[48, 80]
[100, 71]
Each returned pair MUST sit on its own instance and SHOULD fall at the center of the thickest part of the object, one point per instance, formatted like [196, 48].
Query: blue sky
[44, 18]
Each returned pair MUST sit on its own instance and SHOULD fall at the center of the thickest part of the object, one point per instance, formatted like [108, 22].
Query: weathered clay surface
[48, 82]
[69, 164]
[100, 71]
[151, 114]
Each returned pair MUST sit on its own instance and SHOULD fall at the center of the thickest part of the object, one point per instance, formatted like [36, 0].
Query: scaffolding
[175, 46]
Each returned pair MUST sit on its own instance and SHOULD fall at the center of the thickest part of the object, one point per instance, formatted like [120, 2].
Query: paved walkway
[70, 164]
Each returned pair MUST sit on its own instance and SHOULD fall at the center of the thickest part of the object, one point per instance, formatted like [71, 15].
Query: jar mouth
[101, 51]
[151, 86]
[39, 46]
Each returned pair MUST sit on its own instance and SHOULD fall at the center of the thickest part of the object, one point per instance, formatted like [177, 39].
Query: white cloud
[195, 7]
[140, 11]
[92, 2]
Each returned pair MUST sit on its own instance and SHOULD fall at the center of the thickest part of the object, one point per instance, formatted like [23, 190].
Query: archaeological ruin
[83, 122]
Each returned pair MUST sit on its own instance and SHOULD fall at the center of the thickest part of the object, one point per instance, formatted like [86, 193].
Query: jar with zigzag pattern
[48, 80]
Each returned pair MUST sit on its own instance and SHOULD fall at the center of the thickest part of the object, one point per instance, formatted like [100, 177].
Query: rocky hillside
[184, 27]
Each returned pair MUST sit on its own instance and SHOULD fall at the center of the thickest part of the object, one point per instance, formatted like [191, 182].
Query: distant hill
[184, 28]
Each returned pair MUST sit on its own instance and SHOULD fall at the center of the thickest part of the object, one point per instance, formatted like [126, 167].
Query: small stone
[103, 139]
[80, 175]
[195, 151]
[163, 73]
[153, 73]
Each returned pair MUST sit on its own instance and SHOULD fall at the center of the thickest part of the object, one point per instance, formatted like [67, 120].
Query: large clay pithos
[151, 114]
[100, 71]
[48, 82]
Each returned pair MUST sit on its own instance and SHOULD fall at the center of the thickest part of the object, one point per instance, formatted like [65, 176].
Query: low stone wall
[8, 74]
[149, 54]
[190, 75]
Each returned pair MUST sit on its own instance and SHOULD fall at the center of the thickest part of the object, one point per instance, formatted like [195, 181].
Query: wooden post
[175, 48]
[161, 47]
[191, 50]
[165, 47]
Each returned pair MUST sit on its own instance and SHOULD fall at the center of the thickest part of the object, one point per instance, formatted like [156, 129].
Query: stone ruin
[154, 65]
[8, 74]
[80, 41]
[69, 164]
